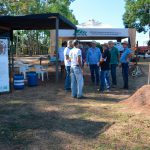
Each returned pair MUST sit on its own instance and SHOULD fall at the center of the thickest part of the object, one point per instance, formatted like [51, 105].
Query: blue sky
[106, 11]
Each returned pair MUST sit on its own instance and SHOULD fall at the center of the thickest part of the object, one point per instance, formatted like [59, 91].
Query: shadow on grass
[17, 127]
[105, 99]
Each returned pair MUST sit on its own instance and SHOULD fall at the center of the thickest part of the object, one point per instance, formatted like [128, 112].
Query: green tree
[24, 7]
[137, 15]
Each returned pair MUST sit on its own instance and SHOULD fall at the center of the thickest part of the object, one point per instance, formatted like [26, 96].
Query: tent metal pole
[56, 48]
[11, 51]
[75, 34]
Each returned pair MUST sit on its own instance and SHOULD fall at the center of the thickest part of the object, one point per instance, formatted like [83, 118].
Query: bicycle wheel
[137, 72]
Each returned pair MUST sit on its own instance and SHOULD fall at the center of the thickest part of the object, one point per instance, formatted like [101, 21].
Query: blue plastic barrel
[32, 78]
[18, 82]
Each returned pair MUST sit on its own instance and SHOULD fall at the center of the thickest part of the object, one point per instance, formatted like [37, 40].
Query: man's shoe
[124, 88]
[107, 90]
[74, 96]
[113, 86]
[99, 90]
[68, 90]
[81, 97]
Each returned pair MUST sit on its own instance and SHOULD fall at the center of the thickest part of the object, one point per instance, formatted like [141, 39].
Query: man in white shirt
[75, 57]
[61, 56]
[67, 65]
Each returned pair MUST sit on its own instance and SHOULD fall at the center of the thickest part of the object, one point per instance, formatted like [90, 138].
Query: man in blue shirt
[124, 59]
[92, 59]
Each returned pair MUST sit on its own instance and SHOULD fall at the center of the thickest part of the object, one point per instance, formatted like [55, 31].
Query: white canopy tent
[95, 33]
[94, 30]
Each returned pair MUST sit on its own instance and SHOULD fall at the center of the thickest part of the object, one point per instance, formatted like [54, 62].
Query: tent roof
[94, 24]
[34, 22]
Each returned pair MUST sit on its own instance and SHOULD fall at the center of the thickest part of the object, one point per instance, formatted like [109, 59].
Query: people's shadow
[16, 124]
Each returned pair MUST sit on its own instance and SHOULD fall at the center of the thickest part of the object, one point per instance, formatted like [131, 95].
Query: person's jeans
[76, 82]
[113, 74]
[125, 69]
[104, 79]
[94, 69]
[67, 80]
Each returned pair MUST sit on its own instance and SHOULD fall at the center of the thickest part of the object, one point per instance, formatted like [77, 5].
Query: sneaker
[99, 90]
[107, 90]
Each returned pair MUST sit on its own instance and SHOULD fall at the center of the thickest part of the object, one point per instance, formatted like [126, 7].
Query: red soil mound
[140, 99]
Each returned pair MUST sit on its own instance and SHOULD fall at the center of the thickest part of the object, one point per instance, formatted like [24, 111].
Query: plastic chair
[18, 63]
[40, 70]
[24, 69]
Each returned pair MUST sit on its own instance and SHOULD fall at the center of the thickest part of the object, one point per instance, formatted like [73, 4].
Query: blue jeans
[67, 80]
[76, 82]
[94, 72]
[104, 78]
[113, 74]
[125, 69]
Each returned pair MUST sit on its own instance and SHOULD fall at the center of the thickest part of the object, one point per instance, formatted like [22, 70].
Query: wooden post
[137, 45]
[75, 35]
[149, 75]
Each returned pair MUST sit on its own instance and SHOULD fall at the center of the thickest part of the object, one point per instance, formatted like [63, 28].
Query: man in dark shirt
[105, 67]
[114, 60]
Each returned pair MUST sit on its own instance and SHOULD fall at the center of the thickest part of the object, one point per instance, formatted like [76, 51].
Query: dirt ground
[47, 118]
[140, 100]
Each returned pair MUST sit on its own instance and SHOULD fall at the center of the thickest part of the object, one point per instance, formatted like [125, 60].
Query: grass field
[47, 118]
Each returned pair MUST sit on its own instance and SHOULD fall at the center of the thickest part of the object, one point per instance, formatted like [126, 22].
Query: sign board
[95, 32]
[4, 66]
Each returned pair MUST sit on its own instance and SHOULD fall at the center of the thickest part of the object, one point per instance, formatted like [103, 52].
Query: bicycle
[135, 70]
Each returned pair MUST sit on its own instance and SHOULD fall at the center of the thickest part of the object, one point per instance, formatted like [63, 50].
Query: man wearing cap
[124, 59]
[92, 59]
[114, 60]
[75, 57]
[67, 65]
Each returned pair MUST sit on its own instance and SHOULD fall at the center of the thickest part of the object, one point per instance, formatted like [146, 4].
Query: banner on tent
[4, 66]
[94, 32]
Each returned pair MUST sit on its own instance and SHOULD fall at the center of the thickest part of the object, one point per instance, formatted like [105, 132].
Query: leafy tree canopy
[137, 15]
[31, 41]
[24, 7]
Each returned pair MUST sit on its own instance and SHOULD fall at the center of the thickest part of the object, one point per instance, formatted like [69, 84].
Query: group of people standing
[101, 64]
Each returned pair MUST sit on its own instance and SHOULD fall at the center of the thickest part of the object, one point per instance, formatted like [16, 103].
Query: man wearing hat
[92, 59]
[124, 59]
